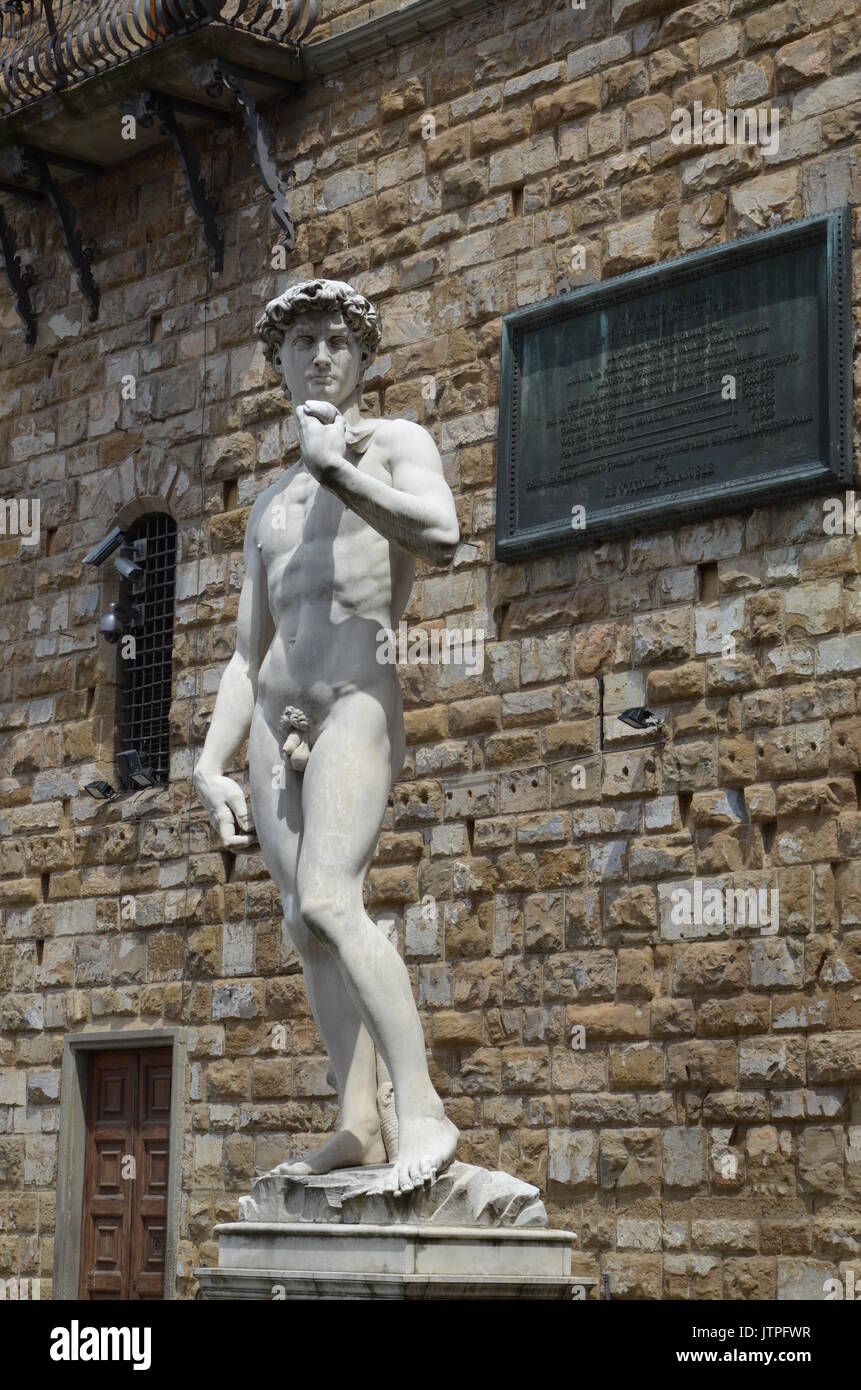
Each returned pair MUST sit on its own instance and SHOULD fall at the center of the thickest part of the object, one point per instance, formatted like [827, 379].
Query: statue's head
[321, 336]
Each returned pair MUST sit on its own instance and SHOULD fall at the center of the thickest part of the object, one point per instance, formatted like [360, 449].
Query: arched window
[145, 680]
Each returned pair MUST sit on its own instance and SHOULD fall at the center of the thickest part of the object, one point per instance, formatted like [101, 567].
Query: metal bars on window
[146, 680]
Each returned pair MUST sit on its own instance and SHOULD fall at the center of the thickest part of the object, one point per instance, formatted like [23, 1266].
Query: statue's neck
[351, 412]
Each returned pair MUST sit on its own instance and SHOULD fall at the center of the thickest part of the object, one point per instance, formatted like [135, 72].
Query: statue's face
[320, 359]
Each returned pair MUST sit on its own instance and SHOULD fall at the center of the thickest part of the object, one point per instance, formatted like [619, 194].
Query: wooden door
[152, 1151]
[125, 1174]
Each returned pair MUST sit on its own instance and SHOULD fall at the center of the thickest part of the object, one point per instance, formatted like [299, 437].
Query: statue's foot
[426, 1146]
[343, 1150]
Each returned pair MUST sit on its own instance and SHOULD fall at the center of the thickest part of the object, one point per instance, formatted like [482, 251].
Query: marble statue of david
[329, 564]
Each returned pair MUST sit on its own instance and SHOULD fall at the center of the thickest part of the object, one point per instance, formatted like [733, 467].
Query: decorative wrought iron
[30, 163]
[20, 278]
[150, 106]
[48, 44]
[219, 75]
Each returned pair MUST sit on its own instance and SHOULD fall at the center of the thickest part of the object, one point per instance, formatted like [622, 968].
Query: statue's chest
[306, 513]
[302, 511]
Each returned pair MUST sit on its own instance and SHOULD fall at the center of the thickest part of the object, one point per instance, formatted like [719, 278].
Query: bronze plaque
[706, 384]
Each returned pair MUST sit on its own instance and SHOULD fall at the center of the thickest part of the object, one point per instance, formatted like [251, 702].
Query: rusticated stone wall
[706, 1141]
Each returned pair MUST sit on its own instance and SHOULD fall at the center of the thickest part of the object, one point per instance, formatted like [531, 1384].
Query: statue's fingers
[324, 411]
[236, 802]
[225, 824]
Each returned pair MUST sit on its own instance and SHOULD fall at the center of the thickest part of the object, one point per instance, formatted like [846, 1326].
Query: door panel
[107, 1198]
[125, 1217]
[152, 1160]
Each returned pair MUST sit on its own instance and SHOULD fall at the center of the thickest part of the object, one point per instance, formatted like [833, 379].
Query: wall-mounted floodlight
[132, 772]
[641, 719]
[100, 791]
[99, 553]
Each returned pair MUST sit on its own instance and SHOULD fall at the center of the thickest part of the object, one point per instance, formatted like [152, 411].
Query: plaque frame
[832, 232]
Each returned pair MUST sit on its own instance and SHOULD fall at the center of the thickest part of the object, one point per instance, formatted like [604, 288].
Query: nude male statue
[329, 563]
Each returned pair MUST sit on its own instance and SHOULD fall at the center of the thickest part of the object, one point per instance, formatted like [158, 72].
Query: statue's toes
[404, 1181]
[295, 1168]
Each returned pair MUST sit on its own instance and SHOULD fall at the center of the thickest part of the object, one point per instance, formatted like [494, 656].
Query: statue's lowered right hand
[224, 802]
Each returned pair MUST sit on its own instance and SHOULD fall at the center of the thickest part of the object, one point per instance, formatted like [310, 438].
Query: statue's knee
[299, 933]
[321, 920]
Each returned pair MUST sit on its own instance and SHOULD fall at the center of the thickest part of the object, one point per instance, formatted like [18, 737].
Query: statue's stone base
[473, 1234]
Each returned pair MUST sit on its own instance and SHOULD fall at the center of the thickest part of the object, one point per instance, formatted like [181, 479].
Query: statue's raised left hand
[322, 440]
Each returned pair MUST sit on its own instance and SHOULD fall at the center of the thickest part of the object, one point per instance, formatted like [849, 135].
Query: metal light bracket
[30, 162]
[20, 278]
[149, 106]
[217, 76]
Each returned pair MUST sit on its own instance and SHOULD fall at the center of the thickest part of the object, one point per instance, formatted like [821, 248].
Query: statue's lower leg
[353, 1073]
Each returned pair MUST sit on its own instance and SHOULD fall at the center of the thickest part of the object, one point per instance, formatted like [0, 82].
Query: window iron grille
[146, 681]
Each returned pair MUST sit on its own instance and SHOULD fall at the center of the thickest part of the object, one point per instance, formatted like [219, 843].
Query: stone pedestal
[473, 1234]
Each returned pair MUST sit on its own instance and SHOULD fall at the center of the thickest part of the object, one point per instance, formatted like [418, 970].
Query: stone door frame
[73, 1133]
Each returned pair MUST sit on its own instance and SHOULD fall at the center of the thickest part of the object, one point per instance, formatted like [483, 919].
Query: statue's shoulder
[395, 433]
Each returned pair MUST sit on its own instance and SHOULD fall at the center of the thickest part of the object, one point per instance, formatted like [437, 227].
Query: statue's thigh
[344, 793]
[276, 803]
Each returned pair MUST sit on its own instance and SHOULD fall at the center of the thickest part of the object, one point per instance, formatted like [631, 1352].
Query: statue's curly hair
[320, 297]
